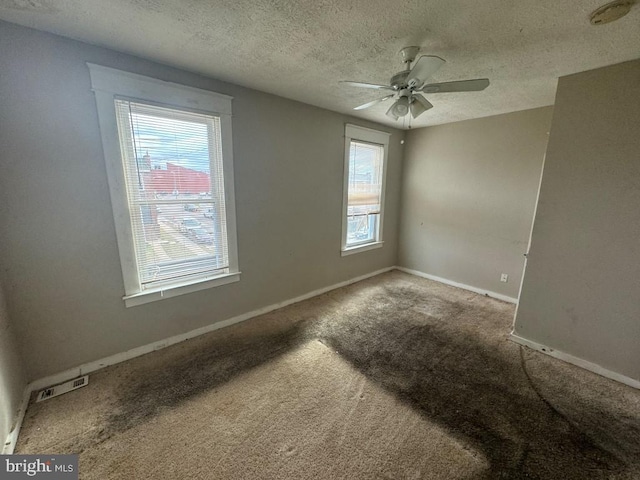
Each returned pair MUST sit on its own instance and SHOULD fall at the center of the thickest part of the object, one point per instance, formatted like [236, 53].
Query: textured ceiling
[300, 49]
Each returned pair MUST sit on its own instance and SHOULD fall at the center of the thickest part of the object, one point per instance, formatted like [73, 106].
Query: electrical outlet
[504, 277]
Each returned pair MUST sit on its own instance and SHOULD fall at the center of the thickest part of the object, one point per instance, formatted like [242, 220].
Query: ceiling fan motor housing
[399, 80]
[409, 54]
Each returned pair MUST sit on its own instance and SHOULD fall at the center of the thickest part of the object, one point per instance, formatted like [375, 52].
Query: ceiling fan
[408, 85]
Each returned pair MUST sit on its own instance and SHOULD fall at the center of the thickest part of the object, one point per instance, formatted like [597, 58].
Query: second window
[365, 167]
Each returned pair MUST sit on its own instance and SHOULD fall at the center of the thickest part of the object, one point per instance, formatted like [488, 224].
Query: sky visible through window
[364, 163]
[170, 140]
[362, 160]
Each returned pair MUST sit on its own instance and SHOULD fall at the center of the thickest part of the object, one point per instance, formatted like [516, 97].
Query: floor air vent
[62, 388]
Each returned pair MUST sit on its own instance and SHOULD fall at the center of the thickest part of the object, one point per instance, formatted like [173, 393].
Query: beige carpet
[395, 377]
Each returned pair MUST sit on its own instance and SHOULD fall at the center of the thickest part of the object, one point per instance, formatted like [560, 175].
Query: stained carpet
[395, 377]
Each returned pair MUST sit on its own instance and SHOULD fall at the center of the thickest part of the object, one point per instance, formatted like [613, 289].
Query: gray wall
[468, 198]
[581, 292]
[64, 284]
[12, 375]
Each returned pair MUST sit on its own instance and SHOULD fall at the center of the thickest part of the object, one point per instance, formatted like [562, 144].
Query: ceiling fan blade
[367, 85]
[419, 105]
[371, 104]
[426, 66]
[474, 85]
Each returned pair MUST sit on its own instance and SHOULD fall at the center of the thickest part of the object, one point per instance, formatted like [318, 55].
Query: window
[364, 182]
[170, 170]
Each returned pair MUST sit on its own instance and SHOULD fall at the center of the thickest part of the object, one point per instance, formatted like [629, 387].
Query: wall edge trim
[488, 293]
[579, 362]
[12, 438]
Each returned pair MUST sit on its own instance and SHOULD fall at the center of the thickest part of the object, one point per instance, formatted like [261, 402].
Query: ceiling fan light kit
[419, 106]
[401, 107]
[408, 85]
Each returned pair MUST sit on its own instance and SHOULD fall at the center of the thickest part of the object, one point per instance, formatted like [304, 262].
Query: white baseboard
[592, 367]
[138, 351]
[10, 443]
[86, 368]
[488, 293]
[89, 367]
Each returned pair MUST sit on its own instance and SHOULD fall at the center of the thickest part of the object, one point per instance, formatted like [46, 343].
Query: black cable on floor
[539, 394]
[571, 424]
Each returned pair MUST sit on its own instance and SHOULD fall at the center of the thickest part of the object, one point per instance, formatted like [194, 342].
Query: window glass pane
[364, 192]
[361, 229]
[173, 165]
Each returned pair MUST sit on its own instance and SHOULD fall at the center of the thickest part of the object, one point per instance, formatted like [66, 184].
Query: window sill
[155, 294]
[360, 248]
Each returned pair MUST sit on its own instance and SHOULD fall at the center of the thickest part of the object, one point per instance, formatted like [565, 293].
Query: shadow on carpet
[442, 351]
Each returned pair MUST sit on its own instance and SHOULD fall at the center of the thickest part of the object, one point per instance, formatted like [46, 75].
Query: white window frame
[107, 84]
[366, 135]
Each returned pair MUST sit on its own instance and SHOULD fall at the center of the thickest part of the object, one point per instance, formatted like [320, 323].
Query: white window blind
[365, 178]
[364, 194]
[173, 166]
